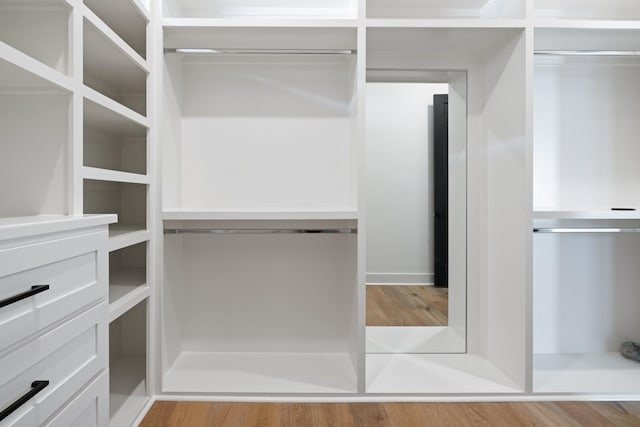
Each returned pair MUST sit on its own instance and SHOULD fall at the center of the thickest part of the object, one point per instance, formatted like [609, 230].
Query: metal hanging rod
[225, 51]
[588, 52]
[586, 230]
[260, 231]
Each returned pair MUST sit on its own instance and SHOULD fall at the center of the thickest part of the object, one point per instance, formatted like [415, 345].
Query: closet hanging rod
[260, 231]
[588, 52]
[241, 51]
[586, 230]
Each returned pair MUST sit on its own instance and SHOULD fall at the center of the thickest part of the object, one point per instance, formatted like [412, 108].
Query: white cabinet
[53, 315]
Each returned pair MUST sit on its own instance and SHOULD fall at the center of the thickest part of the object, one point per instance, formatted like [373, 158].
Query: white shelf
[587, 9]
[446, 9]
[20, 71]
[445, 23]
[127, 288]
[114, 176]
[260, 373]
[585, 214]
[586, 373]
[320, 9]
[114, 106]
[104, 119]
[585, 24]
[111, 67]
[258, 215]
[123, 235]
[435, 373]
[13, 228]
[127, 389]
[116, 42]
[127, 18]
[191, 24]
[259, 34]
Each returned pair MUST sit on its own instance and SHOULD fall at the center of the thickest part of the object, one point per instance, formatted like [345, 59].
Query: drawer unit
[67, 266]
[89, 409]
[68, 357]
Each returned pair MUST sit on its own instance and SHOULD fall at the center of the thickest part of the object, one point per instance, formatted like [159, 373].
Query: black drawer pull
[36, 289]
[36, 387]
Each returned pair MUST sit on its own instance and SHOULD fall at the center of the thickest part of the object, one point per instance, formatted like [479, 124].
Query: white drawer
[68, 356]
[76, 275]
[89, 409]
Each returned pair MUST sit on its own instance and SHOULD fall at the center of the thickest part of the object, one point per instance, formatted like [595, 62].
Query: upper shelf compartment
[261, 119]
[112, 68]
[40, 29]
[588, 9]
[127, 18]
[260, 8]
[451, 9]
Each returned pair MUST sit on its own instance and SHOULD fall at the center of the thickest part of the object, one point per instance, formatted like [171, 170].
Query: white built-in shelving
[585, 189]
[331, 9]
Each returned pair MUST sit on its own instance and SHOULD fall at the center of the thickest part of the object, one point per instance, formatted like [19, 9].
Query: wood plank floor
[412, 305]
[199, 414]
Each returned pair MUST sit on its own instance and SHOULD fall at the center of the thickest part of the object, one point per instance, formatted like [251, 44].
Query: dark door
[441, 189]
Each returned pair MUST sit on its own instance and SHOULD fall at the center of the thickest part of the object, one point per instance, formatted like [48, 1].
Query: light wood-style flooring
[412, 305]
[192, 414]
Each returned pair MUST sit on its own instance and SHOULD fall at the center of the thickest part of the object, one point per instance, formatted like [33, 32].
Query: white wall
[398, 184]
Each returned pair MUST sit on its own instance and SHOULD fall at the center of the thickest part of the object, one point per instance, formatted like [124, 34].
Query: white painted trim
[401, 279]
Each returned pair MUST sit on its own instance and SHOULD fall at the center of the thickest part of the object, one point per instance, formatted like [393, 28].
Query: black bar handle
[36, 387]
[36, 289]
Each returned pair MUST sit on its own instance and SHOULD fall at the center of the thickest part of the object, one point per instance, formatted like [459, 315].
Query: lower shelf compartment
[199, 372]
[585, 373]
[435, 373]
[127, 389]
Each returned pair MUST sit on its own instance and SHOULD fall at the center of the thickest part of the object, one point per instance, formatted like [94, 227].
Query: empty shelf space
[34, 130]
[115, 176]
[39, 29]
[128, 365]
[435, 373]
[259, 8]
[588, 9]
[109, 70]
[449, 9]
[585, 373]
[127, 278]
[197, 372]
[128, 201]
[127, 394]
[20, 72]
[127, 18]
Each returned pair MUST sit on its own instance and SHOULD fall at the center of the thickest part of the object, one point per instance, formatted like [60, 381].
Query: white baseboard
[399, 279]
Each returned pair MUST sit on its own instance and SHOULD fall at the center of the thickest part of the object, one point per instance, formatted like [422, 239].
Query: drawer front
[73, 268]
[89, 409]
[68, 356]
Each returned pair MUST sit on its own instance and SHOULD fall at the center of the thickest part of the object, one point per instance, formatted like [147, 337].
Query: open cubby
[264, 131]
[38, 29]
[254, 313]
[588, 9]
[112, 141]
[128, 391]
[112, 72]
[260, 8]
[34, 118]
[127, 272]
[125, 19]
[585, 290]
[429, 9]
[128, 201]
[585, 123]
